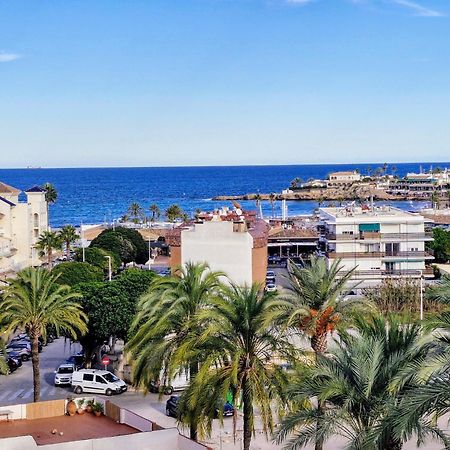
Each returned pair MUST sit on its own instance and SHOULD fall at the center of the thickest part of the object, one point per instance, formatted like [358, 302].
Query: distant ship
[34, 167]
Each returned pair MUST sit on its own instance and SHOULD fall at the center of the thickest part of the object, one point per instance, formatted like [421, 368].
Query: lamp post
[421, 296]
[149, 254]
[109, 267]
[82, 242]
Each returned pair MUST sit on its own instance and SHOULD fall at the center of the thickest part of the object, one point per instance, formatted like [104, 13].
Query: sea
[99, 195]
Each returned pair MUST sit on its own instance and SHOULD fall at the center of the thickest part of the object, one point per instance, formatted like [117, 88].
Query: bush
[72, 273]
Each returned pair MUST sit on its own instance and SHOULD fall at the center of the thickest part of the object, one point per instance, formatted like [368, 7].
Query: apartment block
[21, 223]
[379, 241]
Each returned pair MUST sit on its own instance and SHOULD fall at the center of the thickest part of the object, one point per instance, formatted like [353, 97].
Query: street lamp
[109, 267]
[421, 295]
[149, 254]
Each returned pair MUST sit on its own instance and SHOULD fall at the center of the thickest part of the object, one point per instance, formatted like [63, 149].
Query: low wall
[43, 410]
[134, 420]
[18, 412]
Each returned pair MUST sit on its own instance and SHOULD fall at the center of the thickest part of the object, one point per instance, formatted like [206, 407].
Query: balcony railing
[379, 236]
[377, 274]
[399, 254]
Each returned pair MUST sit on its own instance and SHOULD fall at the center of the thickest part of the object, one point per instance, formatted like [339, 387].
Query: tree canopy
[72, 273]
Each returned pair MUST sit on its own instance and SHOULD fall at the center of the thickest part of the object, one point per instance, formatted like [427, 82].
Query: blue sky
[205, 82]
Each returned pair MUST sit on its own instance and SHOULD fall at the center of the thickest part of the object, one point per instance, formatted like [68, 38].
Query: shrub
[72, 273]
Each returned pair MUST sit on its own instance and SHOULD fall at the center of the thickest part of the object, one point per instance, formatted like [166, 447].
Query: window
[111, 378]
[36, 220]
[88, 377]
[99, 379]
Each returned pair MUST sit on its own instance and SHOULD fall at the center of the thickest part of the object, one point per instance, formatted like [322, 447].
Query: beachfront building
[21, 223]
[422, 184]
[379, 241]
[234, 242]
[343, 178]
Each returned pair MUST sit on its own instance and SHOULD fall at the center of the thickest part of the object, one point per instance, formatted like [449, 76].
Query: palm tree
[48, 241]
[32, 302]
[272, 198]
[316, 303]
[165, 321]
[258, 199]
[4, 369]
[295, 182]
[156, 212]
[173, 212]
[51, 195]
[239, 341]
[135, 211]
[361, 385]
[68, 235]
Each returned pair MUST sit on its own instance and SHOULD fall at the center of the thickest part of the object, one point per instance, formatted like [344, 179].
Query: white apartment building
[379, 242]
[21, 223]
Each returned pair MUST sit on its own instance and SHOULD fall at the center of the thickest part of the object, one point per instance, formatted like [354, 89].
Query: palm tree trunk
[193, 425]
[248, 414]
[319, 345]
[67, 250]
[36, 371]
[49, 258]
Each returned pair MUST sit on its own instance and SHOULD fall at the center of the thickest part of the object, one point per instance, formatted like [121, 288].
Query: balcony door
[392, 248]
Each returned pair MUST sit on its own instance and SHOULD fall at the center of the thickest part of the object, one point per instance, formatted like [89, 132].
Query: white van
[178, 383]
[97, 382]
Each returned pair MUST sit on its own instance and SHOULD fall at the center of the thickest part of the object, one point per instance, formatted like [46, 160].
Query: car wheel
[25, 357]
[78, 390]
[108, 392]
[168, 412]
[168, 390]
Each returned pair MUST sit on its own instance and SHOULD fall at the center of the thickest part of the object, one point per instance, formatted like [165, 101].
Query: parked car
[63, 374]
[97, 382]
[271, 287]
[26, 340]
[172, 403]
[13, 363]
[23, 351]
[77, 360]
[178, 383]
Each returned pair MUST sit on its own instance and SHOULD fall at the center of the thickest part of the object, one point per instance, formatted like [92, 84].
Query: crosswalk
[7, 396]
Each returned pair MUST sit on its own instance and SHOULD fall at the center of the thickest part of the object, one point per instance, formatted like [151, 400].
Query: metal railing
[378, 236]
[378, 254]
[376, 274]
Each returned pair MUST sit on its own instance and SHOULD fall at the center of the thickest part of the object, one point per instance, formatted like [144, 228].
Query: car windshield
[110, 378]
[65, 370]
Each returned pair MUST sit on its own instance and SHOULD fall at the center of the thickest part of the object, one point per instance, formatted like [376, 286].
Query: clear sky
[205, 82]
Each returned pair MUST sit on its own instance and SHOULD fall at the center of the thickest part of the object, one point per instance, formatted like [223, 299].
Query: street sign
[105, 361]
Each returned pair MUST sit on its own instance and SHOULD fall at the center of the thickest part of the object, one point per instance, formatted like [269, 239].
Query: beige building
[343, 178]
[21, 223]
[232, 243]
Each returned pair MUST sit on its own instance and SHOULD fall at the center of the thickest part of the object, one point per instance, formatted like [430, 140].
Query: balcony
[379, 255]
[379, 274]
[371, 236]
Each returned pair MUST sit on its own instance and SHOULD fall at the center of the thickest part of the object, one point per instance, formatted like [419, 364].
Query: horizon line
[224, 165]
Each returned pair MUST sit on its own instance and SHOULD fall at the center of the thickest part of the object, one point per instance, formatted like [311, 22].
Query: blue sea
[96, 195]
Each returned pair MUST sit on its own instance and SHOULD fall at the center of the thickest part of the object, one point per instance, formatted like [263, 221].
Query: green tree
[173, 212]
[51, 194]
[362, 384]
[111, 307]
[4, 369]
[136, 212]
[73, 273]
[34, 301]
[156, 212]
[166, 320]
[96, 257]
[440, 245]
[68, 235]
[238, 341]
[48, 241]
[295, 182]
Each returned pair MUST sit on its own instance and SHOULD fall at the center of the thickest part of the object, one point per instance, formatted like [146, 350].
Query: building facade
[21, 223]
[379, 242]
[343, 178]
[235, 244]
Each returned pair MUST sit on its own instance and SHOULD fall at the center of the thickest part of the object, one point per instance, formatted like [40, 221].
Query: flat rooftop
[76, 428]
[366, 211]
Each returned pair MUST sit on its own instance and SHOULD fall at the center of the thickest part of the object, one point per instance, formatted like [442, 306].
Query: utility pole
[82, 242]
[421, 296]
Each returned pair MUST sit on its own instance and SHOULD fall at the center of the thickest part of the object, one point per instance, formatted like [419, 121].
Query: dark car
[172, 403]
[23, 350]
[13, 364]
[76, 360]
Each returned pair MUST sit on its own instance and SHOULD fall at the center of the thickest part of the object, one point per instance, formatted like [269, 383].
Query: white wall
[223, 249]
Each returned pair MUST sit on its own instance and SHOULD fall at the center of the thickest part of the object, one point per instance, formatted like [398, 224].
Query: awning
[370, 227]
